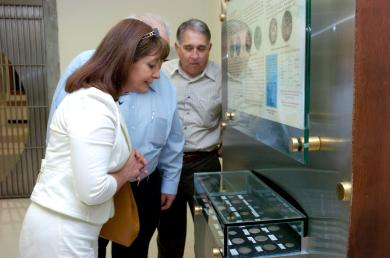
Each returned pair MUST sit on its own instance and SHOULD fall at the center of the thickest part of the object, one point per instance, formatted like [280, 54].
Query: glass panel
[266, 55]
[256, 201]
[246, 217]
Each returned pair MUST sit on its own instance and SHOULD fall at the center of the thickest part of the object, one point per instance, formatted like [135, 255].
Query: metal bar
[26, 26]
[21, 40]
[23, 164]
[21, 2]
[10, 52]
[18, 76]
[2, 104]
[26, 65]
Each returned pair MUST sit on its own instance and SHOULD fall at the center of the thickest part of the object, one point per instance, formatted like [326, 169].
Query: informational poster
[266, 59]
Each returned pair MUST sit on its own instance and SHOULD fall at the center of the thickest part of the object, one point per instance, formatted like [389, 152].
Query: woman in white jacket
[89, 156]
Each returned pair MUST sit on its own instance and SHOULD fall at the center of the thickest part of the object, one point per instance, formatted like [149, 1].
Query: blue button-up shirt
[152, 121]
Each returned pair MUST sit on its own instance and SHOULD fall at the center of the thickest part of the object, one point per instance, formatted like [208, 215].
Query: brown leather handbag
[123, 228]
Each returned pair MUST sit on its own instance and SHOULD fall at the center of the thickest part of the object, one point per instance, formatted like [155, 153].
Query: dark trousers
[173, 222]
[148, 198]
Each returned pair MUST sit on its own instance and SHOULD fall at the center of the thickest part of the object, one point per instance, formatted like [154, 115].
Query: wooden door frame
[370, 212]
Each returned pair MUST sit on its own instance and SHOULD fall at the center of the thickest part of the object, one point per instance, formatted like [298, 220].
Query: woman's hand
[136, 164]
[132, 169]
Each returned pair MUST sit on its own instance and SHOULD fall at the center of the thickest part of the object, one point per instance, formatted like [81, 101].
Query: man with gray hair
[199, 101]
[154, 129]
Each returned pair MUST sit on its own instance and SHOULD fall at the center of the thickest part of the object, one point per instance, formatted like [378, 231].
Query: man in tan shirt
[199, 101]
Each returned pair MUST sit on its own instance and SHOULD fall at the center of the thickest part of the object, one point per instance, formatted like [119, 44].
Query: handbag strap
[124, 131]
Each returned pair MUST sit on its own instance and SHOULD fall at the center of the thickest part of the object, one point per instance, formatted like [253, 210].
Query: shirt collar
[207, 72]
[153, 88]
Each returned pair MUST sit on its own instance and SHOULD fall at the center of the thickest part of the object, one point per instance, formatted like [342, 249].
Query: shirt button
[188, 113]
[185, 127]
[188, 97]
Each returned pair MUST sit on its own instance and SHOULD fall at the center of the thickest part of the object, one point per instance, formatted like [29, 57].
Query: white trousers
[48, 234]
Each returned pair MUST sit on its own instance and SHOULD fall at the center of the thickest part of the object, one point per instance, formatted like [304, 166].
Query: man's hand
[166, 201]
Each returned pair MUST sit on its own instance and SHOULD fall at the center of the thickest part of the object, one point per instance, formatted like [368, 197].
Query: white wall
[82, 24]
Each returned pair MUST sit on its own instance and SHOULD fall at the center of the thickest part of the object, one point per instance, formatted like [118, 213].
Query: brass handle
[222, 16]
[230, 115]
[198, 210]
[223, 125]
[344, 191]
[317, 143]
[216, 252]
[297, 144]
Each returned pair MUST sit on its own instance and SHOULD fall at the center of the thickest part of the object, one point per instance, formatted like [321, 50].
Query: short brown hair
[122, 46]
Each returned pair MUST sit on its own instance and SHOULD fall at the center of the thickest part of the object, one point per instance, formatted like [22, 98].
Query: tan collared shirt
[199, 101]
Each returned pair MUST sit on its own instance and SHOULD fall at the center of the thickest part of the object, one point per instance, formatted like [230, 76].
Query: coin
[237, 241]
[254, 230]
[289, 245]
[273, 228]
[244, 250]
[261, 238]
[232, 233]
[244, 213]
[269, 247]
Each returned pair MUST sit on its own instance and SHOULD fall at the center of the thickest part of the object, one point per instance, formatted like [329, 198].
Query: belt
[197, 155]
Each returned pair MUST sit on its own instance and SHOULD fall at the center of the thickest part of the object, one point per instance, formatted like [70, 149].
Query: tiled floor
[11, 216]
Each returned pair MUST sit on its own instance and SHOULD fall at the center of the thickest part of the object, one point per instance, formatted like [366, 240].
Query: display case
[246, 217]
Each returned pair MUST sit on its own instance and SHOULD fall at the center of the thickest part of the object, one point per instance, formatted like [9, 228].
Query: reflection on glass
[266, 84]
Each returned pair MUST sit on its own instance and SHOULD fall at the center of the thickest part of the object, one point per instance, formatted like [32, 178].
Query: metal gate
[23, 96]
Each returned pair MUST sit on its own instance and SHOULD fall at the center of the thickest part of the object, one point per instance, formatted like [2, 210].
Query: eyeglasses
[154, 32]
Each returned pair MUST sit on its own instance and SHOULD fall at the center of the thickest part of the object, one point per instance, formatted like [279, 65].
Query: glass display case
[246, 217]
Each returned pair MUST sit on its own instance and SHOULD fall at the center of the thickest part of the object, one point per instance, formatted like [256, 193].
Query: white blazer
[87, 142]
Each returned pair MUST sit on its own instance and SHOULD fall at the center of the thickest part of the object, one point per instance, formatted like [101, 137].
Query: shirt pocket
[158, 131]
[210, 110]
